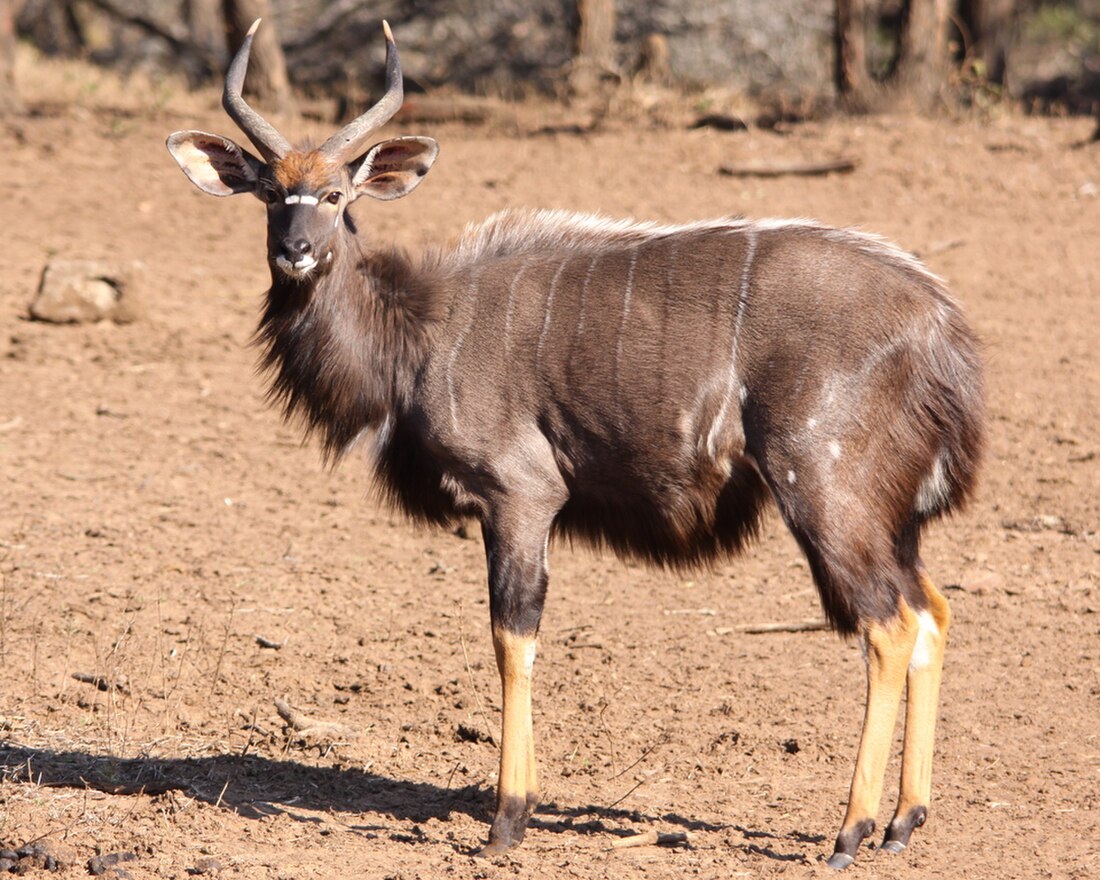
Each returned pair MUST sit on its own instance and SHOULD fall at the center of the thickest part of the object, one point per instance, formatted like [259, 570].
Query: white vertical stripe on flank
[508, 306]
[584, 294]
[454, 353]
[742, 298]
[628, 294]
[549, 306]
[743, 293]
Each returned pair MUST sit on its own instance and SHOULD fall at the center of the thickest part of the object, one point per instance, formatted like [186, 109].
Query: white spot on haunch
[791, 477]
[529, 657]
[834, 449]
[927, 634]
[933, 491]
[811, 423]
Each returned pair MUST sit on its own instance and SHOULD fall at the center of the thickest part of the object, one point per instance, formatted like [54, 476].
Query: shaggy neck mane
[343, 348]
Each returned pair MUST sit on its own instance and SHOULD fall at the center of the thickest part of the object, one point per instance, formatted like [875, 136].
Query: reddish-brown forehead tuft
[308, 171]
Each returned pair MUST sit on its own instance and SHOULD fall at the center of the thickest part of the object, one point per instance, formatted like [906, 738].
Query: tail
[951, 401]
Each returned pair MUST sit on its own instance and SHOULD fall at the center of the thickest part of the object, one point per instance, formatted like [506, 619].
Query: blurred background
[781, 58]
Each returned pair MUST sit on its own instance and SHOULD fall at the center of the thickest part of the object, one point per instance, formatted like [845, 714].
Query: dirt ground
[157, 521]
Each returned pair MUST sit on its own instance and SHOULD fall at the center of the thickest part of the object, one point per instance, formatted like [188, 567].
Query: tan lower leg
[532, 764]
[888, 651]
[925, 671]
[517, 785]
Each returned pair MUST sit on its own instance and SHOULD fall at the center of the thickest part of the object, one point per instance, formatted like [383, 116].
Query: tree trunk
[852, 79]
[50, 25]
[595, 56]
[206, 25]
[991, 23]
[267, 78]
[9, 97]
[922, 52]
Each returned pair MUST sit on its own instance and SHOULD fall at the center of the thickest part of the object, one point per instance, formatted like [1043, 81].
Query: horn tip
[386, 30]
[255, 25]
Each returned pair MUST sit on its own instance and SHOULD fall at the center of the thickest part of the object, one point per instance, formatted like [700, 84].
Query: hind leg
[889, 647]
[925, 669]
[863, 563]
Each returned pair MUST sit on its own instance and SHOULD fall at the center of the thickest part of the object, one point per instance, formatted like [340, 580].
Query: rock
[99, 865]
[82, 291]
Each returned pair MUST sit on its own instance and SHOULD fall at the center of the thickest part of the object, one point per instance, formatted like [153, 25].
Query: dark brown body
[639, 387]
[656, 414]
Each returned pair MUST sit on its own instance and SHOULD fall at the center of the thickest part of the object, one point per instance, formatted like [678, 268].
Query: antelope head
[307, 192]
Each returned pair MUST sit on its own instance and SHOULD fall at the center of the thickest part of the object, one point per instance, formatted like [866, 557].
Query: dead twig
[470, 674]
[633, 789]
[310, 728]
[797, 626]
[120, 684]
[785, 169]
[652, 838]
[645, 753]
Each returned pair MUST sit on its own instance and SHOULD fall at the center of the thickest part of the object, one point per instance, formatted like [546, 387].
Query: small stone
[205, 866]
[85, 291]
[98, 865]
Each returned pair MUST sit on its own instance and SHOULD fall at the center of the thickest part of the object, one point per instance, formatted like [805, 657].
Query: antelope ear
[215, 164]
[393, 168]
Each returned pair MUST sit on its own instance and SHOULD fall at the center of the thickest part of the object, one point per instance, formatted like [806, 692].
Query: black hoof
[509, 825]
[847, 844]
[494, 848]
[901, 829]
[840, 861]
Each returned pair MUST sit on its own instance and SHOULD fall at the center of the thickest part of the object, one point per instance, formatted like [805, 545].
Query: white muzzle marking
[298, 268]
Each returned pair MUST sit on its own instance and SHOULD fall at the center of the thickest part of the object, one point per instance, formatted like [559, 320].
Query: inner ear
[393, 168]
[215, 164]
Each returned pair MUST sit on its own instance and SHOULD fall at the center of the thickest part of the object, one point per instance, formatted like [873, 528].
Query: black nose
[295, 250]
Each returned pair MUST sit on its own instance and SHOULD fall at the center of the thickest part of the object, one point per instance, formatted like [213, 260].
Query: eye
[271, 195]
[333, 197]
